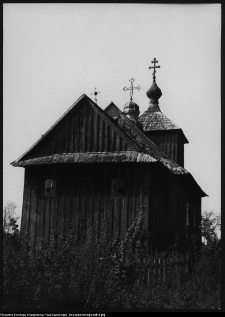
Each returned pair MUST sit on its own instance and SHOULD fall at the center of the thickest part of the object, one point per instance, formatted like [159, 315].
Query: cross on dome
[154, 67]
[131, 88]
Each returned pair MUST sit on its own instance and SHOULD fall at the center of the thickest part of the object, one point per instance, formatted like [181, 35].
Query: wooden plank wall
[195, 215]
[160, 214]
[179, 197]
[83, 131]
[84, 190]
[170, 142]
[26, 202]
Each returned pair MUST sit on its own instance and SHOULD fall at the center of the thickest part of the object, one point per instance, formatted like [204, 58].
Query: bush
[102, 273]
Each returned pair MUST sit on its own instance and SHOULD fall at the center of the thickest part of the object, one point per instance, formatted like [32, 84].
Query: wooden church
[110, 163]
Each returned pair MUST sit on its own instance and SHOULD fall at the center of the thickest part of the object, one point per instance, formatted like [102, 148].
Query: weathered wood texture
[85, 130]
[170, 142]
[85, 190]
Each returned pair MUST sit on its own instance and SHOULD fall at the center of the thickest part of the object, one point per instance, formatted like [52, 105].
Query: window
[50, 188]
[118, 189]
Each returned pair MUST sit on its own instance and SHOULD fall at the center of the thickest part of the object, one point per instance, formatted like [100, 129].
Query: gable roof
[133, 139]
[112, 110]
[49, 130]
[157, 121]
[128, 143]
[86, 108]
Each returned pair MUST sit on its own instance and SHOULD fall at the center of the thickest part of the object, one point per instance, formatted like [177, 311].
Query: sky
[54, 53]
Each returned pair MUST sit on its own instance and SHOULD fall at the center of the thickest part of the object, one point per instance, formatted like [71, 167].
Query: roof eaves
[90, 157]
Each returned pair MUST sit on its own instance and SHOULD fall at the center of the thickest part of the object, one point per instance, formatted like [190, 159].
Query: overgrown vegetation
[103, 274]
[210, 225]
[10, 216]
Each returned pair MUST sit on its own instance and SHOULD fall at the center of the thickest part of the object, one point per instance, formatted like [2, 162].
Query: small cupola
[131, 109]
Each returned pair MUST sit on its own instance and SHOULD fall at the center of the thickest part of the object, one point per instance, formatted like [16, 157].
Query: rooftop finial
[154, 67]
[131, 88]
[96, 93]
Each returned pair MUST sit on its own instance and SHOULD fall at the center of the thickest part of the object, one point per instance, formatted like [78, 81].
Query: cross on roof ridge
[154, 67]
[96, 93]
[131, 88]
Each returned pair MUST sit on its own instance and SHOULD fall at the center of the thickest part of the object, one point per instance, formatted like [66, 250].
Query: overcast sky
[54, 53]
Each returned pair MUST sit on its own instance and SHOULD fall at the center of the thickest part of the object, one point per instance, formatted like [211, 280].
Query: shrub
[102, 273]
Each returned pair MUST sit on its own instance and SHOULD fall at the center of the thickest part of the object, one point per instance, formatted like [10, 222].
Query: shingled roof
[98, 157]
[156, 121]
[127, 126]
[148, 146]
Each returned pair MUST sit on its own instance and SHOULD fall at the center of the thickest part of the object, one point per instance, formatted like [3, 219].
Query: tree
[10, 217]
[210, 224]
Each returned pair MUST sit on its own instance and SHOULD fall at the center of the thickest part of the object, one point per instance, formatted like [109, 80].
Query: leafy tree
[210, 224]
[10, 217]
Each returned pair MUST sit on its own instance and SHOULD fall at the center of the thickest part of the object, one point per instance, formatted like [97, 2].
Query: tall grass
[102, 273]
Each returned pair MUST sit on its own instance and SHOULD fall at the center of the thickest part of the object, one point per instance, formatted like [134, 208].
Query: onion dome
[131, 110]
[154, 92]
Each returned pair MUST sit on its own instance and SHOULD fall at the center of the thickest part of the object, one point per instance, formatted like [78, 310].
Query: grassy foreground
[103, 274]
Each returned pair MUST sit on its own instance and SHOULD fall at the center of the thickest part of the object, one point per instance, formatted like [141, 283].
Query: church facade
[110, 163]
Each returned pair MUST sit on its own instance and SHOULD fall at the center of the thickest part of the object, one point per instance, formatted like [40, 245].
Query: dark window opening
[118, 189]
[50, 188]
[121, 191]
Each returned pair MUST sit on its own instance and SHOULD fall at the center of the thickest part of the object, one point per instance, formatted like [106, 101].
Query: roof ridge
[111, 102]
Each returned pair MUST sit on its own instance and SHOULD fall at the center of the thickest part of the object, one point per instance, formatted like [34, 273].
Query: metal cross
[131, 88]
[154, 62]
[96, 93]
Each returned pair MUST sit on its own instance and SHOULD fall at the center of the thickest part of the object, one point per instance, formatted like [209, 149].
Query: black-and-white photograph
[111, 157]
